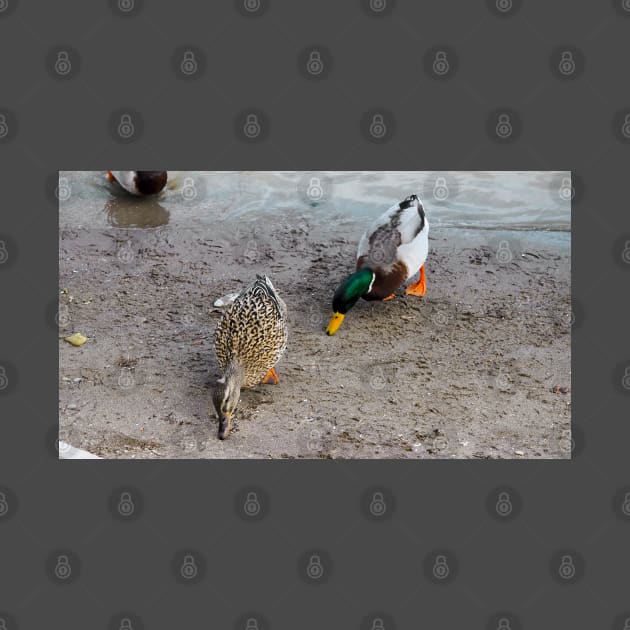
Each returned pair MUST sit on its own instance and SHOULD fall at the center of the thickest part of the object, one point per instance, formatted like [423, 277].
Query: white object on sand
[224, 300]
[66, 451]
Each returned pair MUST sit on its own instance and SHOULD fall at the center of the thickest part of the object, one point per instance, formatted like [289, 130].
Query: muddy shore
[479, 368]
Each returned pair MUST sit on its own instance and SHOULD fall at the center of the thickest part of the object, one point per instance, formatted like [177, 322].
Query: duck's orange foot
[271, 378]
[389, 297]
[418, 288]
[110, 176]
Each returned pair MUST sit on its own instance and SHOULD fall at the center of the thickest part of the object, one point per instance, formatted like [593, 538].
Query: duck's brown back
[253, 331]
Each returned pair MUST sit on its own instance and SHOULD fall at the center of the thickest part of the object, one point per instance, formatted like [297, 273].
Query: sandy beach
[479, 368]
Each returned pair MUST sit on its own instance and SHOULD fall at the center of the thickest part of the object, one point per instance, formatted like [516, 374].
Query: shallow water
[507, 200]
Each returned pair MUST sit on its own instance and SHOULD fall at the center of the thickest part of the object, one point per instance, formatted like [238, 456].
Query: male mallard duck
[139, 182]
[249, 341]
[390, 252]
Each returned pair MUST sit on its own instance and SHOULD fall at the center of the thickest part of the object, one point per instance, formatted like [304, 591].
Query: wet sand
[476, 369]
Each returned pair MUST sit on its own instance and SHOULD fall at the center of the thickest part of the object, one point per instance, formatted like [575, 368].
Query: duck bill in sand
[225, 426]
[334, 323]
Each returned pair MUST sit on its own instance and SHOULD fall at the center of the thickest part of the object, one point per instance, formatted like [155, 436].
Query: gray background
[127, 568]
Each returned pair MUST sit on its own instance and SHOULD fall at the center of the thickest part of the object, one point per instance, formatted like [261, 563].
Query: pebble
[519, 452]
[71, 406]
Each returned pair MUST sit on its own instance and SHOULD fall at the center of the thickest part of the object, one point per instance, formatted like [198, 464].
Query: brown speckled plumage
[253, 331]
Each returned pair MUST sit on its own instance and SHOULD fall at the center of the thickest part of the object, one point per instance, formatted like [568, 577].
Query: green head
[347, 294]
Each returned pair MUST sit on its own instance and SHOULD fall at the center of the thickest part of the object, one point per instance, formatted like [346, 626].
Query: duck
[391, 251]
[249, 340]
[139, 183]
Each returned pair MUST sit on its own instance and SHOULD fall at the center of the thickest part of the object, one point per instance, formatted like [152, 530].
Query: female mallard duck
[139, 182]
[390, 252]
[249, 341]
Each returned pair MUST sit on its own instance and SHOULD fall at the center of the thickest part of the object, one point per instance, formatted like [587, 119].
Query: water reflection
[132, 212]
